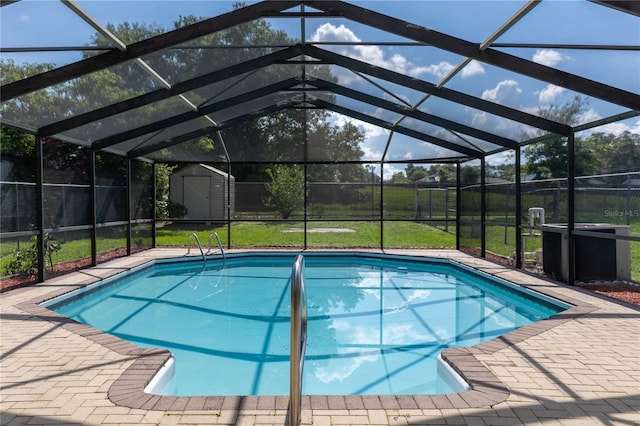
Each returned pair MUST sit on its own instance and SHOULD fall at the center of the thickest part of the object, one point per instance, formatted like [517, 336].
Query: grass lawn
[320, 235]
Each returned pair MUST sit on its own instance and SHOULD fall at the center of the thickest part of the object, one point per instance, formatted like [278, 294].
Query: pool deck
[581, 367]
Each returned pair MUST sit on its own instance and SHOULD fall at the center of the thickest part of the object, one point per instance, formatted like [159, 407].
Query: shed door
[196, 196]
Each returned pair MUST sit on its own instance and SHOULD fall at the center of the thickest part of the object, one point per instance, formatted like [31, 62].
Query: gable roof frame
[328, 8]
[282, 56]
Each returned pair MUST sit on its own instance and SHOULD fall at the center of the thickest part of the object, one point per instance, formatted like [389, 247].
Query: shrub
[25, 261]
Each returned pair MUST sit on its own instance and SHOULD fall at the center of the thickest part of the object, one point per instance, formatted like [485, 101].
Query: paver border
[486, 389]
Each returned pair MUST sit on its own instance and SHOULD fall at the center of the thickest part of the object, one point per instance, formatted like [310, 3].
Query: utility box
[206, 192]
[595, 258]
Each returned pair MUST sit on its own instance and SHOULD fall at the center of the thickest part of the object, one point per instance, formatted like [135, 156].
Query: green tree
[286, 188]
[616, 153]
[398, 177]
[505, 171]
[625, 155]
[444, 172]
[17, 150]
[335, 144]
[163, 204]
[415, 173]
[549, 158]
[469, 175]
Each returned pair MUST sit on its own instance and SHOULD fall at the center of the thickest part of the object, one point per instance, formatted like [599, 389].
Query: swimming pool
[376, 323]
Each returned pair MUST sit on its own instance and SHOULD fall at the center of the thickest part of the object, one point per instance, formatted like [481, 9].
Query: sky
[551, 21]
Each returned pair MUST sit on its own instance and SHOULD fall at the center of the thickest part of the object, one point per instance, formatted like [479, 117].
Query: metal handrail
[195, 236]
[215, 234]
[298, 340]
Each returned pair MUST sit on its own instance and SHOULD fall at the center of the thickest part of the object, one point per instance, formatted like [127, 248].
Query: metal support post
[94, 215]
[518, 194]
[571, 217]
[40, 207]
[458, 204]
[483, 207]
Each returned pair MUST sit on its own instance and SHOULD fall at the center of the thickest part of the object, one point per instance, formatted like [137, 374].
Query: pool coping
[486, 389]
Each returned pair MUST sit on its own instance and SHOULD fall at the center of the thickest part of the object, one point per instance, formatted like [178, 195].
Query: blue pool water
[376, 323]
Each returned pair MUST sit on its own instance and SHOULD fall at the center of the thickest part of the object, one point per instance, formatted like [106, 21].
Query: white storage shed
[206, 192]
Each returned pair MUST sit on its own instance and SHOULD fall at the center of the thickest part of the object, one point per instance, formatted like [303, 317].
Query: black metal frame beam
[412, 113]
[207, 130]
[141, 48]
[247, 66]
[628, 6]
[441, 92]
[294, 102]
[398, 129]
[190, 115]
[289, 84]
[176, 89]
[474, 51]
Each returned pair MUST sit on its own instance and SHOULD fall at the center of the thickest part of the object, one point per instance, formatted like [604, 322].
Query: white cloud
[472, 68]
[415, 295]
[399, 62]
[439, 70]
[613, 128]
[25, 19]
[329, 32]
[548, 57]
[376, 56]
[618, 128]
[506, 90]
[587, 117]
[480, 119]
[390, 170]
[549, 93]
[369, 130]
[505, 157]
[369, 153]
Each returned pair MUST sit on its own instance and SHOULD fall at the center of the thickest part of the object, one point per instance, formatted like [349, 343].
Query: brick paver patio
[581, 367]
